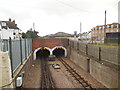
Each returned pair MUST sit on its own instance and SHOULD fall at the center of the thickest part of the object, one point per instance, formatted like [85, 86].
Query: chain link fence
[108, 54]
[18, 50]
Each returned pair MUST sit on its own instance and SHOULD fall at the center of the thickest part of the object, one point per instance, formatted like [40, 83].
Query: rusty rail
[77, 77]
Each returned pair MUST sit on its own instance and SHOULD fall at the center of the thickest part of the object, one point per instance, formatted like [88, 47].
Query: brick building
[98, 33]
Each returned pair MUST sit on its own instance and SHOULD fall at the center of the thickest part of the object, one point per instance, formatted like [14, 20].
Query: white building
[85, 37]
[9, 29]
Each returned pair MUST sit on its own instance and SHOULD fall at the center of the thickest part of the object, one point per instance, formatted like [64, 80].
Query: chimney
[13, 21]
[10, 19]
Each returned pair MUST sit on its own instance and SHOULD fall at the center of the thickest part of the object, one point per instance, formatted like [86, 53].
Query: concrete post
[86, 49]
[10, 51]
[21, 50]
[25, 49]
[99, 53]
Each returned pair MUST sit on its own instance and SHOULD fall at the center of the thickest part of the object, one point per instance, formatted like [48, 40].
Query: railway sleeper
[77, 76]
[86, 85]
[82, 81]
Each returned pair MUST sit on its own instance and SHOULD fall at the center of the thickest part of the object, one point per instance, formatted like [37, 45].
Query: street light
[105, 27]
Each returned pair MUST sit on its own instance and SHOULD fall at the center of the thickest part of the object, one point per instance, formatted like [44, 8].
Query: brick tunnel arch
[41, 49]
[59, 51]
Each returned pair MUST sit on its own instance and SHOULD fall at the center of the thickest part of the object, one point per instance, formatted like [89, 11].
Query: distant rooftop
[60, 34]
[8, 24]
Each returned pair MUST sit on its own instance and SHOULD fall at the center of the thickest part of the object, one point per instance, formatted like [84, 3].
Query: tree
[30, 34]
[24, 35]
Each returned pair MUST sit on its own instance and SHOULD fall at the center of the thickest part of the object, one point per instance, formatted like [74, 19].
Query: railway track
[76, 76]
[46, 77]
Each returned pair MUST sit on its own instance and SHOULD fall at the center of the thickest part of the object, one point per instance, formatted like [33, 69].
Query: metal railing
[18, 50]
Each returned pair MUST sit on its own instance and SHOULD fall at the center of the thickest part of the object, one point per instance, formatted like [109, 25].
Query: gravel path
[60, 79]
[32, 78]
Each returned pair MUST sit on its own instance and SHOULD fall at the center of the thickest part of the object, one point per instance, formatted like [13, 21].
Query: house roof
[9, 24]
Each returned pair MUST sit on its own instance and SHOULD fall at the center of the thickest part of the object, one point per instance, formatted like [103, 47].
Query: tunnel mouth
[42, 53]
[59, 52]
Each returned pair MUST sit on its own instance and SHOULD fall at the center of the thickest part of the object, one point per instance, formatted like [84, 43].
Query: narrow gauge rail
[77, 77]
[46, 77]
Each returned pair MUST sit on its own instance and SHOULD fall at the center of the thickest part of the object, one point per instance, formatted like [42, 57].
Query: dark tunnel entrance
[42, 53]
[59, 52]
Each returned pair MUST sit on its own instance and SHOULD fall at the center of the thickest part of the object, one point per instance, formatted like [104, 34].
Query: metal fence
[18, 50]
[107, 54]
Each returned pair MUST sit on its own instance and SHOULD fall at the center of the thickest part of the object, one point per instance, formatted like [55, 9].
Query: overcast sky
[51, 16]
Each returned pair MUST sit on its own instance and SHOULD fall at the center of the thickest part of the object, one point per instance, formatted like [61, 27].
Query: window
[112, 26]
[115, 26]
[13, 33]
[111, 30]
[109, 26]
[3, 24]
[100, 28]
[103, 27]
[119, 25]
[97, 28]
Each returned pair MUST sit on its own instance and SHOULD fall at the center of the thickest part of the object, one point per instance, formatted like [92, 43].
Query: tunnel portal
[42, 53]
[59, 52]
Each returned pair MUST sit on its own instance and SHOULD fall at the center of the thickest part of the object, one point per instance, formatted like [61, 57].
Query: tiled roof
[9, 24]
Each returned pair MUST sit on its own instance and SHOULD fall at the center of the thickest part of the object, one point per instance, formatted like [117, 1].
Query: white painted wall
[89, 36]
[6, 33]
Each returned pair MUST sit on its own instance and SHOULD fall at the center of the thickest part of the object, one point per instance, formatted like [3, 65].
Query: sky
[52, 16]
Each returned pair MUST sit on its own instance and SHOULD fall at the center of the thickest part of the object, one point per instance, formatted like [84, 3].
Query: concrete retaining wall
[79, 60]
[104, 74]
[6, 79]
[5, 70]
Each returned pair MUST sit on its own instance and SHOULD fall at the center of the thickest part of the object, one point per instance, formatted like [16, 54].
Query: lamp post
[80, 31]
[105, 27]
